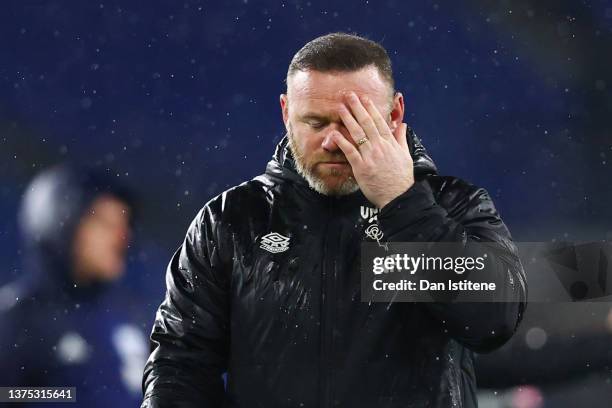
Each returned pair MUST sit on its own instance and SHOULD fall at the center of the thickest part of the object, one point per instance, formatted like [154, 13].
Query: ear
[397, 111]
[284, 103]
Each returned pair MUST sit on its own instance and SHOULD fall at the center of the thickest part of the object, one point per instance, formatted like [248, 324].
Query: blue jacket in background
[56, 333]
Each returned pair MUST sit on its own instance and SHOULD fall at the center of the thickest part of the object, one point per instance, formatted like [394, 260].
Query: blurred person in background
[66, 321]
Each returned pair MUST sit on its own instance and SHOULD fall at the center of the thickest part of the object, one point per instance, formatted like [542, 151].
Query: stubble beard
[347, 186]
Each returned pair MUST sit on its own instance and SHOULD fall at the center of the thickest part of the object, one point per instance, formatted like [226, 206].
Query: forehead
[314, 90]
[109, 206]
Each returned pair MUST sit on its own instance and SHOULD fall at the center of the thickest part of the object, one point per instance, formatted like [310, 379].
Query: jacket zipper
[327, 306]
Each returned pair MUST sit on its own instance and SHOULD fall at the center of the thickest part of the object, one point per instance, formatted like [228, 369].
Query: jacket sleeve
[190, 337]
[464, 214]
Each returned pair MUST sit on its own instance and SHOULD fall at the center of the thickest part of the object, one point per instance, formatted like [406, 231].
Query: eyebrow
[316, 116]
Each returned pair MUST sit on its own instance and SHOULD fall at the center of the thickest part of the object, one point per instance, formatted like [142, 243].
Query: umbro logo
[274, 242]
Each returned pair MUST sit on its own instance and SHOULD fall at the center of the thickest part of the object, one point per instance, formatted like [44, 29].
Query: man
[65, 322]
[266, 285]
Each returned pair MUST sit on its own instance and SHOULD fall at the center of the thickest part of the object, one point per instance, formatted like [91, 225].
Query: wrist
[391, 197]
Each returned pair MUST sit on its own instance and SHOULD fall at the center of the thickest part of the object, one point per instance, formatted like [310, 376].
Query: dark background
[179, 100]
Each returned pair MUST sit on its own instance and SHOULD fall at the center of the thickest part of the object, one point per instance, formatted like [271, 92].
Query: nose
[328, 142]
[122, 233]
[126, 235]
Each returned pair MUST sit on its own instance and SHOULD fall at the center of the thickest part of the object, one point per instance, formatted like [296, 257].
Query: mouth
[335, 168]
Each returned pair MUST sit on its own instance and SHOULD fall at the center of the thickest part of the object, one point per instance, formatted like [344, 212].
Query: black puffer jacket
[266, 286]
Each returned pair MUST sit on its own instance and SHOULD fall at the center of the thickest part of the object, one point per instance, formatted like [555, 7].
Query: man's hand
[379, 157]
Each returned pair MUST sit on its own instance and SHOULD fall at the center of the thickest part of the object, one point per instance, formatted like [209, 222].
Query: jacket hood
[50, 212]
[282, 164]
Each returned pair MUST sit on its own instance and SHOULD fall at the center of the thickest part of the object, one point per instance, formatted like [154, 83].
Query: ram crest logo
[374, 232]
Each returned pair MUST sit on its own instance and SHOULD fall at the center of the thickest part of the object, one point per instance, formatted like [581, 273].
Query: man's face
[310, 112]
[101, 240]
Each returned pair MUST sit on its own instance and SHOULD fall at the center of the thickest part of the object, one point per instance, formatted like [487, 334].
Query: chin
[336, 188]
[112, 272]
[327, 184]
[112, 276]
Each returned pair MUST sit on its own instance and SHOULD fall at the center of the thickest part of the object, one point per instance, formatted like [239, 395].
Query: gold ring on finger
[362, 141]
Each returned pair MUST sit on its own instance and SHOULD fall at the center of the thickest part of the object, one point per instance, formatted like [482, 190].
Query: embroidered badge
[274, 242]
[374, 232]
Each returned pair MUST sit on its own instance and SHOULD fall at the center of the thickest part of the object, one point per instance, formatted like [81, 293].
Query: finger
[381, 124]
[400, 135]
[363, 117]
[351, 153]
[356, 131]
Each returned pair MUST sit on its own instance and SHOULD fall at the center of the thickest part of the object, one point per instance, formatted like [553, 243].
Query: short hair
[342, 52]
